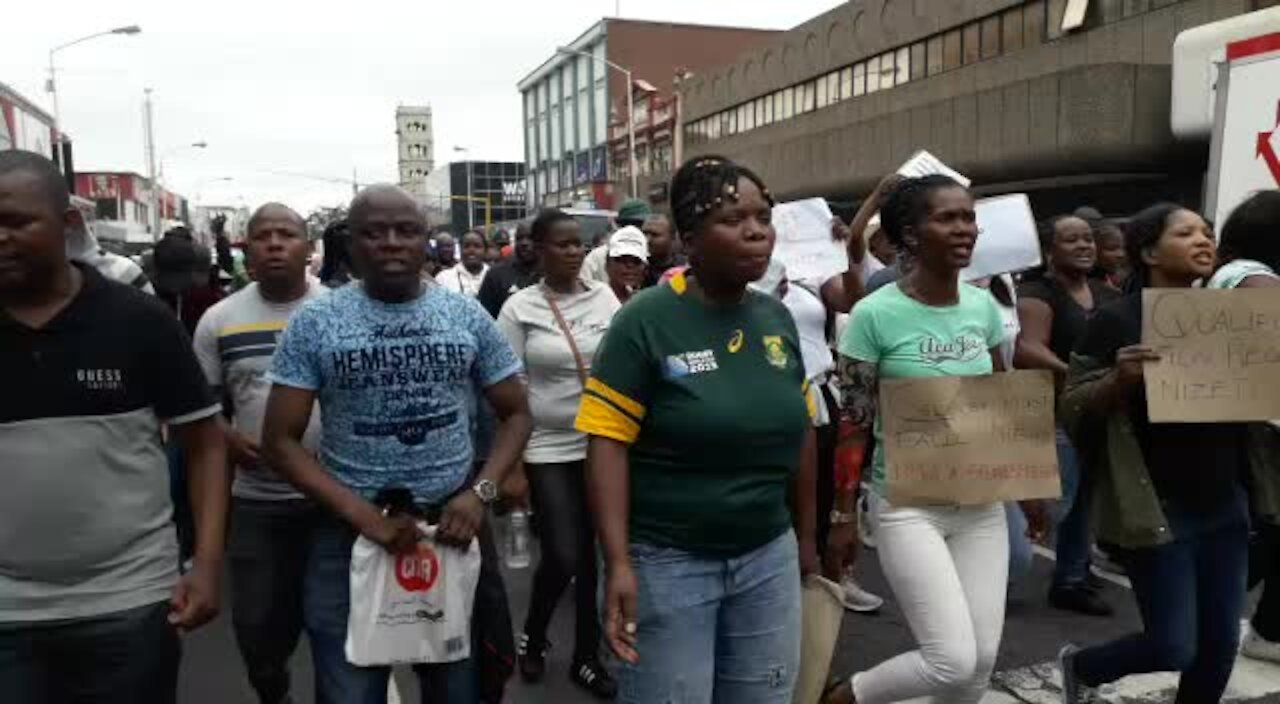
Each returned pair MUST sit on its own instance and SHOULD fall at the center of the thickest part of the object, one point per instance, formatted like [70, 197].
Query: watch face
[487, 490]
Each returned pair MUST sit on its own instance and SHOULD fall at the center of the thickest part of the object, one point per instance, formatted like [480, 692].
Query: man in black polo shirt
[507, 277]
[91, 603]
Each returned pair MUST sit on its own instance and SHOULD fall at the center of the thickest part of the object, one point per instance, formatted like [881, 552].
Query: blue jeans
[1074, 539]
[1191, 594]
[715, 630]
[1021, 555]
[326, 603]
[129, 656]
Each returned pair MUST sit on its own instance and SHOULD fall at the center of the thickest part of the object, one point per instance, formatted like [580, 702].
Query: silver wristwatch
[486, 490]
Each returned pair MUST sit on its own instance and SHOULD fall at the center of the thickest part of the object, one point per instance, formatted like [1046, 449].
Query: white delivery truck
[1244, 153]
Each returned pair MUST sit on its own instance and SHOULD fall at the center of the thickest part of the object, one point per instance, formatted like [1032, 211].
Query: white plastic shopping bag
[411, 608]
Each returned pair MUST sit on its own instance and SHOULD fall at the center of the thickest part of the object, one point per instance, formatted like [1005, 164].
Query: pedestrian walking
[555, 328]
[512, 274]
[1171, 497]
[335, 268]
[91, 602]
[628, 257]
[699, 423]
[395, 365]
[633, 212]
[1249, 257]
[663, 248]
[271, 522]
[947, 565]
[467, 276]
[1054, 306]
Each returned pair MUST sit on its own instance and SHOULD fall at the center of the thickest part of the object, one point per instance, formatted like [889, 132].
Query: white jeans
[948, 568]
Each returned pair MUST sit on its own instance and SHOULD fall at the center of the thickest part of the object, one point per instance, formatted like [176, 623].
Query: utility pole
[151, 167]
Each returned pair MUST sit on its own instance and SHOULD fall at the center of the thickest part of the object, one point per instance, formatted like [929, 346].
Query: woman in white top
[555, 328]
[1249, 253]
[466, 276]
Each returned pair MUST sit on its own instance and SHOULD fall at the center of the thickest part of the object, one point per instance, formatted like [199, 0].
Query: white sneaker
[855, 598]
[1259, 648]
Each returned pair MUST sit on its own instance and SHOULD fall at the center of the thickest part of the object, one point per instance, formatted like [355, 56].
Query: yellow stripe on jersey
[678, 283]
[619, 399]
[810, 403]
[598, 417]
[268, 326]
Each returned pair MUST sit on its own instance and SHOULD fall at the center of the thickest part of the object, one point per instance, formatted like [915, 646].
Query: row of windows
[567, 110]
[1026, 25]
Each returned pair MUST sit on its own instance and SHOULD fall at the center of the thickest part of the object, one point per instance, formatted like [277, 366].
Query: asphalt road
[212, 673]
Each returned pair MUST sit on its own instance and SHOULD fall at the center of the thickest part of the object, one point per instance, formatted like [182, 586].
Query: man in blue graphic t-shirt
[395, 364]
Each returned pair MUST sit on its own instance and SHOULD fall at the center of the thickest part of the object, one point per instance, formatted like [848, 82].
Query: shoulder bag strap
[568, 336]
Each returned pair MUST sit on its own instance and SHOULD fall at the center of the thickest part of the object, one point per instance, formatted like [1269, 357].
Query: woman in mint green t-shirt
[947, 564]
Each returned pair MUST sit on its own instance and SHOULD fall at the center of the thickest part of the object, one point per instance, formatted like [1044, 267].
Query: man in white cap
[628, 259]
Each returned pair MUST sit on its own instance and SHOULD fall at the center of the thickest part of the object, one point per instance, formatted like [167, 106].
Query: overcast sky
[287, 86]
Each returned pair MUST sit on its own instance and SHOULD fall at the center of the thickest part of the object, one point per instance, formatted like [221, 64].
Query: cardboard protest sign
[969, 440]
[1007, 238]
[922, 163]
[1220, 354]
[804, 241]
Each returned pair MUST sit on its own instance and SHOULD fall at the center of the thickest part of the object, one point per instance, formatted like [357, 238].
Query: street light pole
[149, 126]
[631, 120]
[52, 86]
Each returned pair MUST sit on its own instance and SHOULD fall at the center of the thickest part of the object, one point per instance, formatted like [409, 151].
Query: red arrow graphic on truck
[1267, 149]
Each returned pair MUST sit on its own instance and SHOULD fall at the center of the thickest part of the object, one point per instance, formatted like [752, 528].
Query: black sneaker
[1079, 599]
[593, 677]
[1073, 690]
[532, 658]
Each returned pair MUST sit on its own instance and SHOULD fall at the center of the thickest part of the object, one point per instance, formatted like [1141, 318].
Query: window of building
[748, 116]
[1033, 14]
[846, 83]
[601, 110]
[834, 93]
[823, 95]
[555, 130]
[733, 122]
[903, 72]
[760, 103]
[991, 37]
[919, 63]
[583, 130]
[952, 50]
[810, 93]
[1011, 36]
[767, 104]
[873, 74]
[972, 43]
[788, 103]
[1053, 20]
[933, 55]
[859, 79]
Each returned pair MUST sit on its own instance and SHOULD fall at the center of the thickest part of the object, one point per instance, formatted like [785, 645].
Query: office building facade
[574, 101]
[1067, 100]
[496, 195]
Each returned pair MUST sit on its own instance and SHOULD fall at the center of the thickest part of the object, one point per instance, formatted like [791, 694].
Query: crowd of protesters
[692, 430]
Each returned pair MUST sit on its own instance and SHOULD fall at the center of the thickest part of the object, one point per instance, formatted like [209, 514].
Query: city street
[211, 672]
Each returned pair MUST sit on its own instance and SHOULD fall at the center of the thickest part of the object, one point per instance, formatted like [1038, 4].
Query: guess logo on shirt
[101, 379]
[962, 349]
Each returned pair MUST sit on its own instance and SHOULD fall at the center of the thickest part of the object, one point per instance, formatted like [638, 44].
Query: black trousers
[128, 656]
[267, 552]
[1266, 620]
[567, 537]
[827, 435]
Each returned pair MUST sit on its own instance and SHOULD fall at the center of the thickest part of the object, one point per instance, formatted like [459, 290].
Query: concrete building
[1067, 100]
[416, 147]
[572, 99]
[23, 125]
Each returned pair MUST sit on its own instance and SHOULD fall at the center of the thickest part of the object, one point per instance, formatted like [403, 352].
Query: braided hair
[908, 204]
[701, 185]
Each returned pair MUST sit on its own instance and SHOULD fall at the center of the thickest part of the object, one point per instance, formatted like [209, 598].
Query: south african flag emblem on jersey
[775, 351]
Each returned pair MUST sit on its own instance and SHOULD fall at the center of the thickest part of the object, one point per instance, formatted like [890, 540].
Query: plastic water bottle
[518, 540]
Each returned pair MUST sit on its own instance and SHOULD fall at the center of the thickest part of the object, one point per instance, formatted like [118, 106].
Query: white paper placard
[804, 241]
[922, 163]
[1007, 238]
